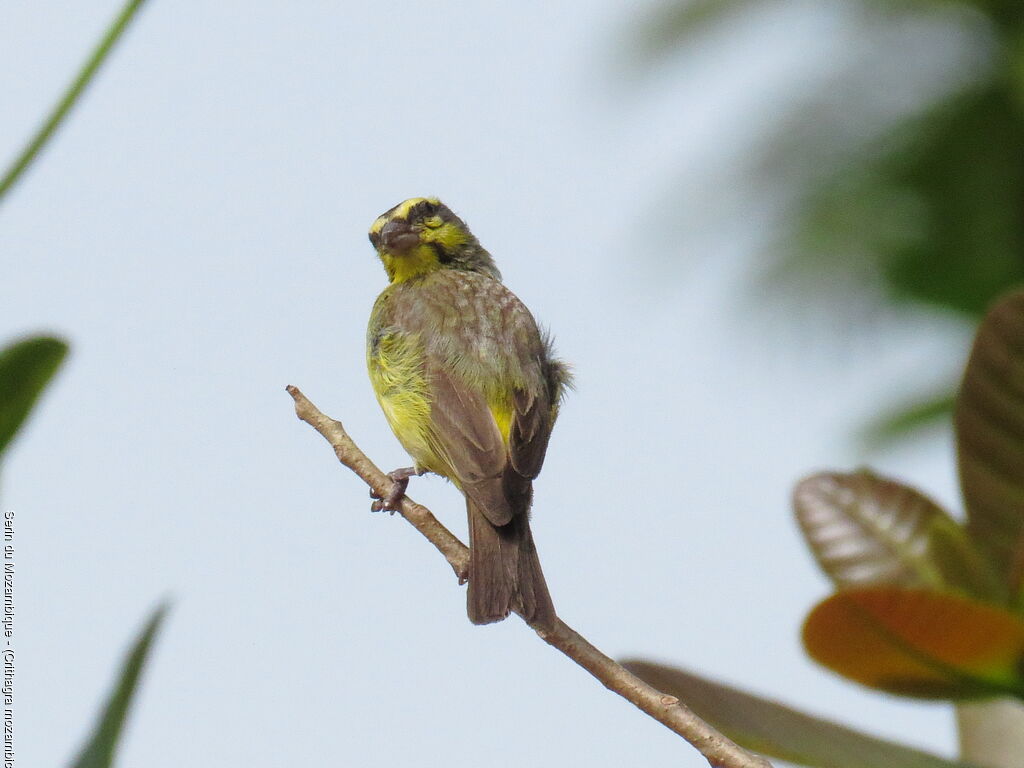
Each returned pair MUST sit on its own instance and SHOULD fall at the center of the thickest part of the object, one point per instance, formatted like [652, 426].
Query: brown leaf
[989, 420]
[865, 529]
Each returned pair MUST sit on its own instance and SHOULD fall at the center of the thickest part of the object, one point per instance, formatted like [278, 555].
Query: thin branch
[666, 709]
[67, 101]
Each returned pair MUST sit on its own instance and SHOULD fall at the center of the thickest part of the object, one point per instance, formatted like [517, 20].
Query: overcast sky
[198, 231]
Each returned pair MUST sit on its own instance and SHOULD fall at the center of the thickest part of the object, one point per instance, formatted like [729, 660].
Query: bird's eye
[433, 222]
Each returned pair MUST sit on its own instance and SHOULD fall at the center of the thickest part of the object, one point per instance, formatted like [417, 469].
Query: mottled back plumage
[471, 389]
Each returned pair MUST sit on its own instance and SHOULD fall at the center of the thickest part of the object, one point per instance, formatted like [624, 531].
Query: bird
[471, 387]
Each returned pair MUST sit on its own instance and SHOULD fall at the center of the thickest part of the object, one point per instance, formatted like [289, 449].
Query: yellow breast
[396, 373]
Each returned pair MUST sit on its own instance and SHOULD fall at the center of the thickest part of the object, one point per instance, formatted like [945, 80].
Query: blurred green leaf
[932, 198]
[899, 172]
[45, 131]
[927, 412]
[919, 643]
[933, 204]
[966, 169]
[778, 731]
[25, 369]
[865, 529]
[990, 437]
[98, 752]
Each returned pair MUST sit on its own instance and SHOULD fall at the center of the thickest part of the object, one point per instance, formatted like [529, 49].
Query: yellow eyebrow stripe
[400, 211]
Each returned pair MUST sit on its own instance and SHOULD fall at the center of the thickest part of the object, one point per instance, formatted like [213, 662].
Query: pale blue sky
[197, 230]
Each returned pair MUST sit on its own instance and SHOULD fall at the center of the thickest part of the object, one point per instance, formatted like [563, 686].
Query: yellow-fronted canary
[471, 388]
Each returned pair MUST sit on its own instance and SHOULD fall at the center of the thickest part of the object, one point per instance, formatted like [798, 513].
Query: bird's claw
[392, 502]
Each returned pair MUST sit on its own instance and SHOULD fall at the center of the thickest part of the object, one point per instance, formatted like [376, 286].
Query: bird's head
[421, 235]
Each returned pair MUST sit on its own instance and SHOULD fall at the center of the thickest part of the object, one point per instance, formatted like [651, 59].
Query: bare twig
[668, 710]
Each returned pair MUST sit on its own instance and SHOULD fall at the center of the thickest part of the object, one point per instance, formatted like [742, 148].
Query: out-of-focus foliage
[957, 632]
[896, 422]
[924, 606]
[68, 99]
[903, 167]
[98, 751]
[776, 730]
[933, 196]
[990, 439]
[918, 642]
[26, 367]
[866, 529]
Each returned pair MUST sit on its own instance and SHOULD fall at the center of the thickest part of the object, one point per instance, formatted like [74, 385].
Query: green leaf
[45, 131]
[778, 731]
[989, 422]
[865, 529]
[25, 369]
[900, 422]
[930, 205]
[98, 752]
[915, 199]
[919, 643]
[967, 170]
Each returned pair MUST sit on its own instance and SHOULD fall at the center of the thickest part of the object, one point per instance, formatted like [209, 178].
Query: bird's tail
[504, 572]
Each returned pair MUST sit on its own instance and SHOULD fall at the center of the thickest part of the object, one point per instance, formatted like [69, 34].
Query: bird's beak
[398, 237]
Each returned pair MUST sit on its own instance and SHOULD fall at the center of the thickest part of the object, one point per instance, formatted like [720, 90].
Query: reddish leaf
[918, 643]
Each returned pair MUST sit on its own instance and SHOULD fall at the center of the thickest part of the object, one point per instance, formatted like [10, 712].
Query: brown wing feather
[469, 439]
[531, 429]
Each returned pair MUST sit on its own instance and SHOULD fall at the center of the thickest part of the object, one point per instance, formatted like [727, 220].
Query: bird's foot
[392, 502]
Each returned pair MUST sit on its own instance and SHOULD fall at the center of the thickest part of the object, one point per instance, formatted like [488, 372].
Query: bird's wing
[533, 412]
[530, 431]
[467, 437]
